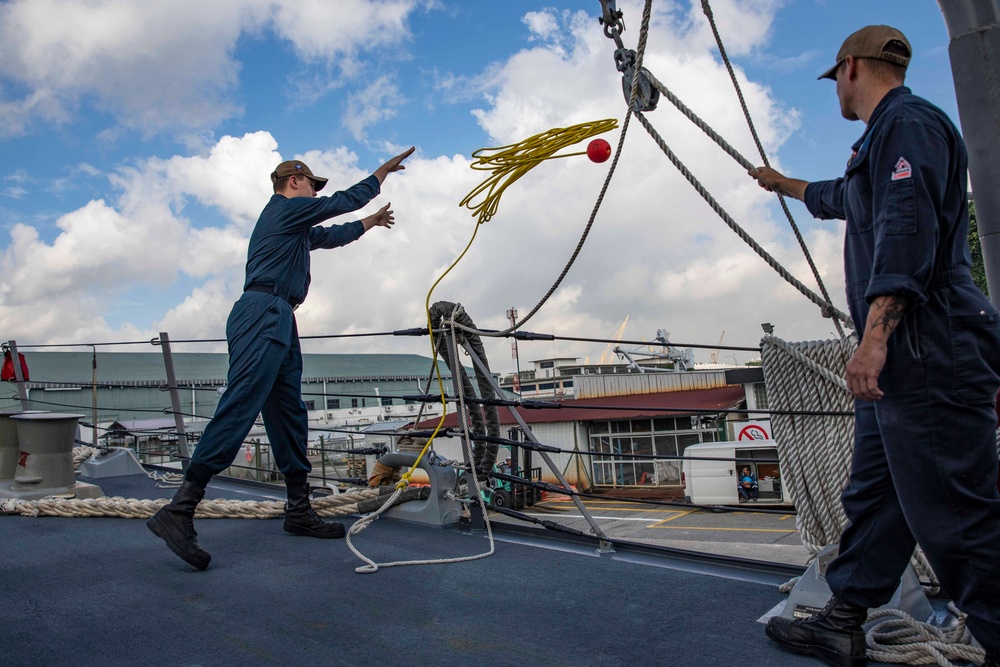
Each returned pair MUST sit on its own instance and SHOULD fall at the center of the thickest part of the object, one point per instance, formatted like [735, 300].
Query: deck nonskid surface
[107, 591]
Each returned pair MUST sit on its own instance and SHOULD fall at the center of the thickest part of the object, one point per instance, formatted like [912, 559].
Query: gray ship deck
[106, 591]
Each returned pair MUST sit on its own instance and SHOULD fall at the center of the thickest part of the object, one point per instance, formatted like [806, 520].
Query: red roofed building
[627, 415]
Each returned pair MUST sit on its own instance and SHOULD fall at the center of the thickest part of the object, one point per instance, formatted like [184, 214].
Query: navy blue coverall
[265, 361]
[924, 467]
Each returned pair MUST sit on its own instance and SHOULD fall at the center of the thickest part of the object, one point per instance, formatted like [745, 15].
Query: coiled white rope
[903, 639]
[815, 451]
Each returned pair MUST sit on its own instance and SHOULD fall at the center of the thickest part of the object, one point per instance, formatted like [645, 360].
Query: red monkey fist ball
[598, 150]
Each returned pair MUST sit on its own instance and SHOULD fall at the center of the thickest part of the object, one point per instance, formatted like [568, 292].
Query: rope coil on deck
[903, 639]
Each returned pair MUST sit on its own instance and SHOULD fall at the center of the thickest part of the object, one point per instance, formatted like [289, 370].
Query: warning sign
[755, 430]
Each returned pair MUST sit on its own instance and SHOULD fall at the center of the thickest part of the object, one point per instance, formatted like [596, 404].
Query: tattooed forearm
[885, 313]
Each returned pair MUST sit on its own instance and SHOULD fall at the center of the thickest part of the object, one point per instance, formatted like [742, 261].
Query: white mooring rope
[133, 508]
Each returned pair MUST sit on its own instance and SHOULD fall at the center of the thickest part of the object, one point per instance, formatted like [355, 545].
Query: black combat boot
[174, 524]
[834, 635]
[300, 517]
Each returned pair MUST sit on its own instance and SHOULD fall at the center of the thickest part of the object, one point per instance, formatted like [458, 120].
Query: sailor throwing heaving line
[265, 361]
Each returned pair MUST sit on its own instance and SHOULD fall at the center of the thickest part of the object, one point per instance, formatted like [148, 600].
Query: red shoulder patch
[901, 170]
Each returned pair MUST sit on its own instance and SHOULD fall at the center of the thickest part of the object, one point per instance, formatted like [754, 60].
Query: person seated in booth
[747, 485]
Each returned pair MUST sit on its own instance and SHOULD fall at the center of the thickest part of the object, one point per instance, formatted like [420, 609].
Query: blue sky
[136, 139]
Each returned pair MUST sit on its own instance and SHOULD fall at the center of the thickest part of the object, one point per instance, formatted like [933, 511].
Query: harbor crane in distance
[683, 360]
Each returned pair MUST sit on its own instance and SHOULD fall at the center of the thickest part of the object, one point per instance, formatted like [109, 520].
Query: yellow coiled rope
[508, 163]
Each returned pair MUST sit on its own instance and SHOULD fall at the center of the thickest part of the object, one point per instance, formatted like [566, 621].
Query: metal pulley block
[646, 97]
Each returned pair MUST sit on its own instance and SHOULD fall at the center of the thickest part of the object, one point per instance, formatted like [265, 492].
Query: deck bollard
[44, 461]
[9, 447]
[46, 445]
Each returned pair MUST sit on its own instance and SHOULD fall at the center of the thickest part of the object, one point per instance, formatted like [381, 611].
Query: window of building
[310, 405]
[641, 425]
[546, 386]
[354, 402]
[546, 364]
[620, 445]
[760, 396]
[568, 384]
[332, 403]
[386, 400]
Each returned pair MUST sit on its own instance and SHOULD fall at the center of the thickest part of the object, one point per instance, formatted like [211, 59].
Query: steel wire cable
[520, 335]
[553, 488]
[21, 346]
[523, 404]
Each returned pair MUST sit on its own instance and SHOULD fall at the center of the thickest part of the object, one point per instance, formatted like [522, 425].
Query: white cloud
[121, 54]
[108, 247]
[542, 25]
[167, 65]
[743, 24]
[800, 61]
[378, 102]
[322, 30]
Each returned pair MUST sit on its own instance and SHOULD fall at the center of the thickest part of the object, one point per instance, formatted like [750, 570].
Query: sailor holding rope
[265, 361]
[927, 368]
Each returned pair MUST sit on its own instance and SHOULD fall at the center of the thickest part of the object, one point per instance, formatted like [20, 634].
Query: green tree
[978, 269]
